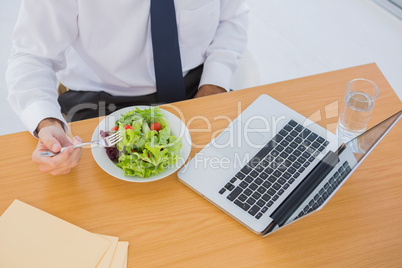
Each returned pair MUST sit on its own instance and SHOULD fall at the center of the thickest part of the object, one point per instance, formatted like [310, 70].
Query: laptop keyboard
[274, 168]
[326, 190]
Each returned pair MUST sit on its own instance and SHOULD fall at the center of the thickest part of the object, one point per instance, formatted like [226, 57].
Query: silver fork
[104, 142]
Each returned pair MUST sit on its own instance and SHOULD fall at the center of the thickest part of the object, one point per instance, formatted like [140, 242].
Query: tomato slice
[114, 129]
[155, 126]
[128, 127]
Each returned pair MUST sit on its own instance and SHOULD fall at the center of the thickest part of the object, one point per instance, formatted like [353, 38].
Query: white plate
[177, 127]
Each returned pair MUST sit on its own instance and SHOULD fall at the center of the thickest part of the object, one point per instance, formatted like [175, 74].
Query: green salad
[148, 145]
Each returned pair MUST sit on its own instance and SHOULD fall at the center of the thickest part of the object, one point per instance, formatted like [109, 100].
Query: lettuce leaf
[146, 152]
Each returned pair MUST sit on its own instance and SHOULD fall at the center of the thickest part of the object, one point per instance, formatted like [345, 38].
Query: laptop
[272, 166]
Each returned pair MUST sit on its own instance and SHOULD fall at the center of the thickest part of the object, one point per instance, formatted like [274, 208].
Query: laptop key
[265, 150]
[258, 181]
[287, 175]
[259, 168]
[306, 132]
[229, 186]
[248, 192]
[276, 186]
[316, 145]
[254, 174]
[306, 143]
[299, 128]
[296, 165]
[251, 201]
[277, 138]
[261, 190]
[242, 205]
[253, 186]
[301, 148]
[301, 160]
[256, 195]
[232, 196]
[267, 184]
[294, 133]
[261, 203]
[292, 123]
[254, 210]
[288, 127]
[240, 176]
[306, 154]
[296, 153]
[293, 145]
[279, 148]
[284, 143]
[312, 137]
[264, 163]
[320, 139]
[271, 192]
[282, 168]
[269, 170]
[277, 173]
[259, 215]
[242, 197]
[222, 191]
[289, 138]
[272, 179]
[243, 184]
[246, 169]
[280, 181]
[248, 179]
[283, 132]
[266, 197]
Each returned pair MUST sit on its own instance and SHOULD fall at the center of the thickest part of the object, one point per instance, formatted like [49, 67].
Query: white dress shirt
[104, 45]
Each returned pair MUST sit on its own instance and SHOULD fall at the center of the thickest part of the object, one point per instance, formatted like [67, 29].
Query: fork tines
[113, 139]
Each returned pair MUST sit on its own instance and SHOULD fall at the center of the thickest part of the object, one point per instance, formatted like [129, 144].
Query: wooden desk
[167, 224]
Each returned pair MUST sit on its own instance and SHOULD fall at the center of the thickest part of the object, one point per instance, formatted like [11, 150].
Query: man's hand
[206, 90]
[52, 137]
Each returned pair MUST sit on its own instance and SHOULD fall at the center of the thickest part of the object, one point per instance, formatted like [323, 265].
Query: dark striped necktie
[165, 45]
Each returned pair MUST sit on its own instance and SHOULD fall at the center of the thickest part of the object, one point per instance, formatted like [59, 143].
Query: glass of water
[357, 108]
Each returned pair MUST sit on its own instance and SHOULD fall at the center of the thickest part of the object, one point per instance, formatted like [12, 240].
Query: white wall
[292, 38]
[9, 122]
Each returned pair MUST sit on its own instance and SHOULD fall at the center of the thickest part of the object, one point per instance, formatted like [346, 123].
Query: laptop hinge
[302, 191]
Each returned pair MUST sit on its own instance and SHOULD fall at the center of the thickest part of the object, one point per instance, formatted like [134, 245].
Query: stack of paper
[30, 237]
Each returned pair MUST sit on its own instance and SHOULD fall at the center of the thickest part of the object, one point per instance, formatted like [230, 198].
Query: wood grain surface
[169, 225]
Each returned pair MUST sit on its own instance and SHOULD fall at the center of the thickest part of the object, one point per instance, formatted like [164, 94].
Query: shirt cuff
[218, 74]
[38, 111]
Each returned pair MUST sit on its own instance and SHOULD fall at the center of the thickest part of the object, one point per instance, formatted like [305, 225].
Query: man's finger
[50, 141]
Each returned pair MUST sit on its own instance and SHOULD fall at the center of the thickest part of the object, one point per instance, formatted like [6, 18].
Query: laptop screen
[363, 144]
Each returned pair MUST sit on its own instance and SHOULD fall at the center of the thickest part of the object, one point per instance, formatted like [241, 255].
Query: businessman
[116, 53]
